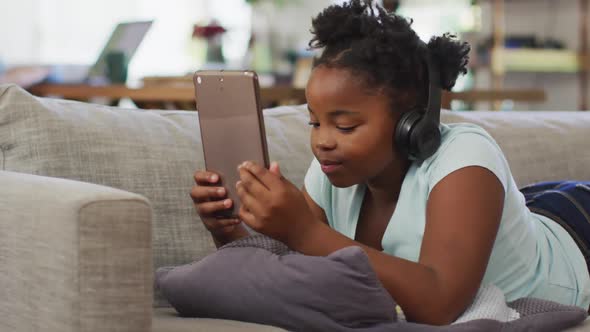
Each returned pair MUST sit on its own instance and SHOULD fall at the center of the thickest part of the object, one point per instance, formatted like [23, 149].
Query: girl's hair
[383, 49]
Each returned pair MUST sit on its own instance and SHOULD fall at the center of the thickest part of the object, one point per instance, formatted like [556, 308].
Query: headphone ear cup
[404, 132]
[425, 139]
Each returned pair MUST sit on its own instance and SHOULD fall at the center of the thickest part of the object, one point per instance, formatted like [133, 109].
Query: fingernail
[214, 178]
[247, 164]
[238, 184]
[227, 203]
[220, 191]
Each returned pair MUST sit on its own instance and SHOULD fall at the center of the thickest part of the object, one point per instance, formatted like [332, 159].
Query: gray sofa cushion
[539, 146]
[74, 256]
[152, 153]
[149, 153]
[167, 320]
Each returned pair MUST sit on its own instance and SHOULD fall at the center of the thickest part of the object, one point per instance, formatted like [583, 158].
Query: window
[74, 32]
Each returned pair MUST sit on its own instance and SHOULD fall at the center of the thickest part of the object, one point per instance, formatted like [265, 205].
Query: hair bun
[339, 23]
[452, 57]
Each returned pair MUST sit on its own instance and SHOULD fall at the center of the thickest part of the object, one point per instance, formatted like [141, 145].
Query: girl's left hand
[272, 205]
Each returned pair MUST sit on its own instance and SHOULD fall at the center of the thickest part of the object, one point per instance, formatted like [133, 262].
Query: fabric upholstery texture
[166, 320]
[539, 146]
[257, 279]
[73, 256]
[147, 153]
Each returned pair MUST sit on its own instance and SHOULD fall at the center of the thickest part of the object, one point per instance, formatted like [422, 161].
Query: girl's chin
[341, 182]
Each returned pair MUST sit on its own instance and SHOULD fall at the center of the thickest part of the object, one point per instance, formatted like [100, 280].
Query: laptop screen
[126, 37]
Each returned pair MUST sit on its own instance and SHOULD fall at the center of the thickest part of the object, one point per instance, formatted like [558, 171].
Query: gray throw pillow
[260, 280]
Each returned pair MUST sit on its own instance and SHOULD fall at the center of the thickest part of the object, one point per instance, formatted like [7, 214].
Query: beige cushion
[539, 146]
[73, 256]
[167, 320]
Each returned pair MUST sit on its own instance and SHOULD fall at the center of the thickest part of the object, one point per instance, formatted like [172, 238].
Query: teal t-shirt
[532, 257]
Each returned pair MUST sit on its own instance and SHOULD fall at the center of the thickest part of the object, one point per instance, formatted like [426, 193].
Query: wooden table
[159, 97]
[182, 96]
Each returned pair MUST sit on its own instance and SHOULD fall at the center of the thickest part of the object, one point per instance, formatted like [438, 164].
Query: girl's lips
[331, 168]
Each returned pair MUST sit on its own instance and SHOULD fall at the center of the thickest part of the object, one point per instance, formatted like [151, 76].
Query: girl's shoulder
[463, 145]
[464, 137]
[450, 130]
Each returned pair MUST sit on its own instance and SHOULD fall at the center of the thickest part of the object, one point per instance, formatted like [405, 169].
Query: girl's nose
[325, 141]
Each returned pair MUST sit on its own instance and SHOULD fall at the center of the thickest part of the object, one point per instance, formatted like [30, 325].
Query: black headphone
[417, 135]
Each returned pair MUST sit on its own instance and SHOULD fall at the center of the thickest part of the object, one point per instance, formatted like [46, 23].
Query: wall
[18, 22]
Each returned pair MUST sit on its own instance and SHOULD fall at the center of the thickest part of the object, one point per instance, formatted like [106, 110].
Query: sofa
[93, 199]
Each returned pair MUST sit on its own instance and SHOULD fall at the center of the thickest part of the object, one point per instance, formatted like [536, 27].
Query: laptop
[126, 37]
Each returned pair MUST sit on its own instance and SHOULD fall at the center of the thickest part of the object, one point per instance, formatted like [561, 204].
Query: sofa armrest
[74, 256]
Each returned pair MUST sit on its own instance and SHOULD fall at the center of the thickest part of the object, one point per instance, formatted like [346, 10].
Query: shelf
[536, 60]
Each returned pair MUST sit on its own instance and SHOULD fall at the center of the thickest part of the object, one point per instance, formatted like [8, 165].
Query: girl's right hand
[210, 198]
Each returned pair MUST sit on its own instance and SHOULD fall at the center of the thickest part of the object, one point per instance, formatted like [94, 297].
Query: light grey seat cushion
[167, 320]
[74, 256]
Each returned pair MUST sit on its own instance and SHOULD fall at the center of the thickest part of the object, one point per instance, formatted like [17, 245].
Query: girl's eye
[314, 124]
[346, 129]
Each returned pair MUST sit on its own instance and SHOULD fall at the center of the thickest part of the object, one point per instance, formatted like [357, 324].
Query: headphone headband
[434, 86]
[417, 134]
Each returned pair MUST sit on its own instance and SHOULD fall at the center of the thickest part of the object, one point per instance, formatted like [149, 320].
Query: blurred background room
[526, 54]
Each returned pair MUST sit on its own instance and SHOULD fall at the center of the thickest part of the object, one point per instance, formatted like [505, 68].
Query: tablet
[232, 126]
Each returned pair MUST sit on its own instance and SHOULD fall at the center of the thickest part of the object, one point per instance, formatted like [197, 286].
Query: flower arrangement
[211, 34]
[209, 31]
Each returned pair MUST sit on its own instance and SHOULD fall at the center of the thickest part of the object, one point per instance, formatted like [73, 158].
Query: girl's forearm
[415, 287]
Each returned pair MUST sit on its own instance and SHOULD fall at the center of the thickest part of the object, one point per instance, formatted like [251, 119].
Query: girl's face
[352, 130]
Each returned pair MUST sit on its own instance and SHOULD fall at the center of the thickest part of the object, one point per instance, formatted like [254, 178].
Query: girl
[434, 228]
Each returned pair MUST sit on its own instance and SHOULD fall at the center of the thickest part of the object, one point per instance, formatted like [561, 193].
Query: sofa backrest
[539, 145]
[152, 153]
[155, 153]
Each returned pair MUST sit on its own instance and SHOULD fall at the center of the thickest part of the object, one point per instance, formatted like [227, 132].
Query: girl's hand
[209, 198]
[272, 205]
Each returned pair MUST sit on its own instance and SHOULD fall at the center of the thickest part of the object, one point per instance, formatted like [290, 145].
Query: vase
[262, 57]
[214, 50]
